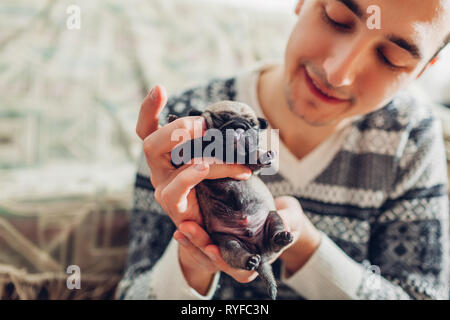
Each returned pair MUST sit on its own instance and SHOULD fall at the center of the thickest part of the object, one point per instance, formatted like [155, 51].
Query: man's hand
[174, 188]
[306, 237]
[199, 253]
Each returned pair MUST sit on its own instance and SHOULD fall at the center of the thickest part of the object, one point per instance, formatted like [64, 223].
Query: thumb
[150, 110]
[291, 213]
[285, 202]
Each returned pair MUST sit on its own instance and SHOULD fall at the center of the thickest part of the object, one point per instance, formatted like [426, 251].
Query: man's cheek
[378, 90]
[308, 41]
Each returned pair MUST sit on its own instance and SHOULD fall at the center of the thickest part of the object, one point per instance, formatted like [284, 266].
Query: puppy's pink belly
[248, 230]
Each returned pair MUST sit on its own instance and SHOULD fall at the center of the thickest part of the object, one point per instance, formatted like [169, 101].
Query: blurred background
[69, 100]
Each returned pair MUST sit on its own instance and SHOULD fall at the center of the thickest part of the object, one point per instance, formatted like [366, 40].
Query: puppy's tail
[266, 274]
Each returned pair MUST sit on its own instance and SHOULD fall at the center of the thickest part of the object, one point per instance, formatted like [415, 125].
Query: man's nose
[342, 65]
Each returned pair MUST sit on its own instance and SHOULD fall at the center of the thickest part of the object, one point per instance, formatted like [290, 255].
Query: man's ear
[433, 61]
[299, 6]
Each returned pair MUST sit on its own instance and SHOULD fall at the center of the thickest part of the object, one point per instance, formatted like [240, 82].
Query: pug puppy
[240, 216]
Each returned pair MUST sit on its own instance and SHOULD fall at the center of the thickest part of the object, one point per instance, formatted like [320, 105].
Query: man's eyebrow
[402, 43]
[405, 44]
[353, 6]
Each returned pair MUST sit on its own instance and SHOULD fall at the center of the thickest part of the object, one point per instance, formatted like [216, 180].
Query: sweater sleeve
[408, 247]
[153, 270]
[409, 239]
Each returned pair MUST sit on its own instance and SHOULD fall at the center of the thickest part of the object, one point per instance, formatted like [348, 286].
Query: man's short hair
[444, 44]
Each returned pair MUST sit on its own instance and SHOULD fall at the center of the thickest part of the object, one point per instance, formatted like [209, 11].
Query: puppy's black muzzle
[236, 123]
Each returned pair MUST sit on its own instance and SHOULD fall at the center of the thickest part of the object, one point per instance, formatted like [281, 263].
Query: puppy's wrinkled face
[232, 115]
[240, 128]
[242, 120]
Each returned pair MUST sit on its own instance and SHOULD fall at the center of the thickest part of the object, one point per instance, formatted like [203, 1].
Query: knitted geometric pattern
[382, 199]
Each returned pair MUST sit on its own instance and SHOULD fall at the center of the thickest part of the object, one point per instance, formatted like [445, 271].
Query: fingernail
[182, 241]
[187, 234]
[201, 166]
[212, 256]
[152, 93]
[244, 175]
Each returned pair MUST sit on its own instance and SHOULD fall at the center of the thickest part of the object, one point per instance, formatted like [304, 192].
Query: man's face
[336, 66]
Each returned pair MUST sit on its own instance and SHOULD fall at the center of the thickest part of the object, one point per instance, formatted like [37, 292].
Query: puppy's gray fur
[240, 216]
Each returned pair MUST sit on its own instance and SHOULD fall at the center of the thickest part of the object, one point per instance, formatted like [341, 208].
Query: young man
[362, 180]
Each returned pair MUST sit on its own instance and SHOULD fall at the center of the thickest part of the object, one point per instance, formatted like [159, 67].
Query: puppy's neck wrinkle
[230, 195]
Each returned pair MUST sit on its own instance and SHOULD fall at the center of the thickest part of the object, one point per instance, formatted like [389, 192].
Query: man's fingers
[176, 192]
[193, 251]
[196, 234]
[213, 252]
[199, 238]
[240, 275]
[291, 213]
[235, 171]
[151, 107]
[284, 202]
[169, 136]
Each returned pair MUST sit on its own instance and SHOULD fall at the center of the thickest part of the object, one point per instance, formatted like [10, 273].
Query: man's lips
[320, 92]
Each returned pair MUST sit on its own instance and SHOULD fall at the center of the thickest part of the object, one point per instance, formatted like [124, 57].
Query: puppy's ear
[171, 117]
[263, 124]
[194, 112]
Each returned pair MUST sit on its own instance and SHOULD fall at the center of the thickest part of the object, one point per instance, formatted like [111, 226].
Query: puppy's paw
[253, 262]
[283, 238]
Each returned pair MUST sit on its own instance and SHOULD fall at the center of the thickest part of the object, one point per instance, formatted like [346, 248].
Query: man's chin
[317, 122]
[314, 115]
[310, 115]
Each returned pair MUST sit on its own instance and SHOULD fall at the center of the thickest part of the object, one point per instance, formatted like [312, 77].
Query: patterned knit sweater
[376, 190]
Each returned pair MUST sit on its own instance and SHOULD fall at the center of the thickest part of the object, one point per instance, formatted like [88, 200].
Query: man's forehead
[432, 29]
[423, 23]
